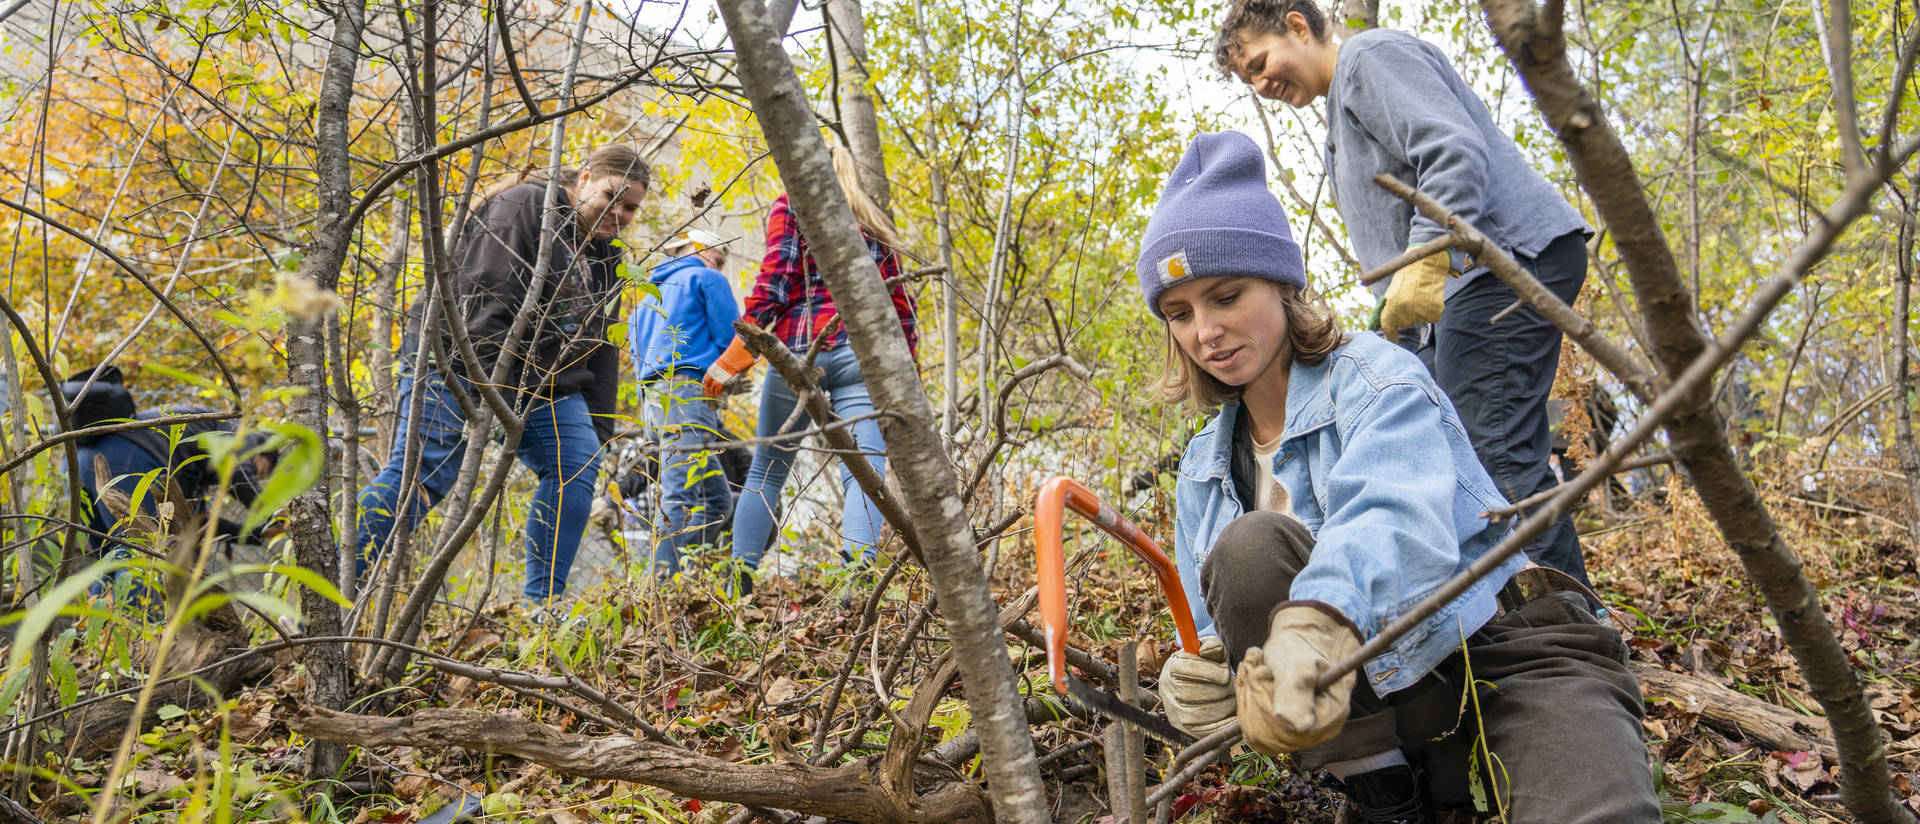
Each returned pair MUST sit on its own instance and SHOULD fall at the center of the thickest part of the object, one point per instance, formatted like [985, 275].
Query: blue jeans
[860, 521]
[693, 490]
[559, 445]
[1498, 377]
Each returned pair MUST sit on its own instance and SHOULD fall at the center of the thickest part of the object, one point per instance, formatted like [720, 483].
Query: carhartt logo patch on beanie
[1173, 268]
[1216, 218]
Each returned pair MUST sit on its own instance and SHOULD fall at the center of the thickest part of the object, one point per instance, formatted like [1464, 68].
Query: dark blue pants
[1498, 376]
[127, 465]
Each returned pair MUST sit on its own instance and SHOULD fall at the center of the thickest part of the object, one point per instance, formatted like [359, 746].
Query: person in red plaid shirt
[791, 300]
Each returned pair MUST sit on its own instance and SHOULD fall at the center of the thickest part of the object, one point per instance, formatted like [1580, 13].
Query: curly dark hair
[1249, 18]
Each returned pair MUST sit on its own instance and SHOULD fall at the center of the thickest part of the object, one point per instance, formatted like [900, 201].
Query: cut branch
[1484, 251]
[846, 792]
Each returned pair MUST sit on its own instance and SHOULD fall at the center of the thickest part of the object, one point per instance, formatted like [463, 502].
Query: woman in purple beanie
[1395, 106]
[1334, 489]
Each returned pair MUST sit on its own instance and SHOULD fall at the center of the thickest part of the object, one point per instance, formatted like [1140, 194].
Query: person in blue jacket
[675, 337]
[114, 465]
[1396, 106]
[1333, 491]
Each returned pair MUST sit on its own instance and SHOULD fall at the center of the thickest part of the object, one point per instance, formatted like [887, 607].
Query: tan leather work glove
[1197, 688]
[1418, 292]
[1279, 709]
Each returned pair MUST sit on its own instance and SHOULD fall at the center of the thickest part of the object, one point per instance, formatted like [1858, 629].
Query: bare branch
[844, 792]
[764, 344]
[499, 15]
[1484, 251]
[1025, 373]
[107, 428]
[127, 266]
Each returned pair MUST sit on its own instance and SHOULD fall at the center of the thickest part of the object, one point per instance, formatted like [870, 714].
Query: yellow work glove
[1280, 711]
[1197, 688]
[1418, 292]
[727, 367]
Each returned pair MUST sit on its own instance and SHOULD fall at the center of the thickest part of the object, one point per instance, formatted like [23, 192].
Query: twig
[1190, 761]
[1489, 254]
[764, 344]
[499, 15]
[868, 623]
[1536, 498]
[109, 428]
[1025, 373]
[1407, 258]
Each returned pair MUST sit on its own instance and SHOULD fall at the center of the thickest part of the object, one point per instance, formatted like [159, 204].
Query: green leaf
[190, 378]
[299, 467]
[65, 678]
[273, 607]
[300, 575]
[169, 712]
[34, 622]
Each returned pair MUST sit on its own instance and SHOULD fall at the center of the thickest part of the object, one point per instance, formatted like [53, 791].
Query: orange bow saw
[1050, 513]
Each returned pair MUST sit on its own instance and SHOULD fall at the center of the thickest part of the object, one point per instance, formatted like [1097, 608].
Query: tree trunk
[997, 264]
[915, 452]
[386, 309]
[309, 519]
[782, 11]
[949, 280]
[1533, 41]
[861, 122]
[1902, 365]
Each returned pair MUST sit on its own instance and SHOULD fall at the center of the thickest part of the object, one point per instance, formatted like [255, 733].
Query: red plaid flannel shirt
[791, 300]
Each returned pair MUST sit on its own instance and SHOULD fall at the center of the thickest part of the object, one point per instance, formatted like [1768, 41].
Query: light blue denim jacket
[1380, 470]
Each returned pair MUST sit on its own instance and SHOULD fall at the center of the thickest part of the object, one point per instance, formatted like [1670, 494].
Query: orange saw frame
[1050, 514]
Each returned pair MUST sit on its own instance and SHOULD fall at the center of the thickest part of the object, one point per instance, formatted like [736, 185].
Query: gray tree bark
[949, 280]
[915, 451]
[858, 117]
[1533, 41]
[309, 519]
[1903, 365]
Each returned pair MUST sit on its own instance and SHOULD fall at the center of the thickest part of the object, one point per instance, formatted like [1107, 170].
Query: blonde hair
[872, 219]
[1312, 335]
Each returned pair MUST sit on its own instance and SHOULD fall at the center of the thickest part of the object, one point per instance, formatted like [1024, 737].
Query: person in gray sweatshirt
[1396, 106]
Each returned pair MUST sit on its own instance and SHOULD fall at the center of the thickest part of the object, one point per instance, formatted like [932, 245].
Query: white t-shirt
[1268, 494]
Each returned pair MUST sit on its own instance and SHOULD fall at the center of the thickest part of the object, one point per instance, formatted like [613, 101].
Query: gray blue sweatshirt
[1397, 107]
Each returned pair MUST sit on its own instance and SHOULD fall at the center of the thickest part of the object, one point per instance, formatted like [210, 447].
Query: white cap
[700, 239]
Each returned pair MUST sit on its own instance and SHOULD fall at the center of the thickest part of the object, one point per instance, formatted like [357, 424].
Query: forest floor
[742, 680]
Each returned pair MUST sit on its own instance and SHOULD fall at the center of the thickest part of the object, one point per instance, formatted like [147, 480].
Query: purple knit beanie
[1217, 218]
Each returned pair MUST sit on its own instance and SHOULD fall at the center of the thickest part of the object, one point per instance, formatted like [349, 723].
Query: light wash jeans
[860, 521]
[559, 445]
[693, 491]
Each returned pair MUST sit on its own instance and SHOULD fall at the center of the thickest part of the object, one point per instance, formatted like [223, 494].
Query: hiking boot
[1394, 795]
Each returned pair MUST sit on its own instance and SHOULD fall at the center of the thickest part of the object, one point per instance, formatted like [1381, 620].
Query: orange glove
[728, 366]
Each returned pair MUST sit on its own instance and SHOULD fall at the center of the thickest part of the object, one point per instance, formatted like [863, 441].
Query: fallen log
[1735, 714]
[849, 792]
